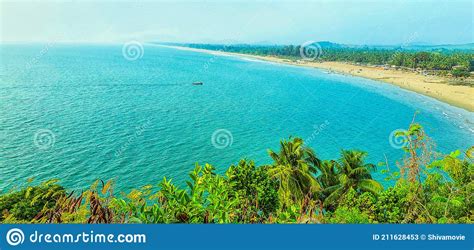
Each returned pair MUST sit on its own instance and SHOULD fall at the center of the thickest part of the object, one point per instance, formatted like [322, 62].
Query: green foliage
[391, 205]
[290, 214]
[23, 205]
[353, 174]
[254, 187]
[91, 206]
[208, 199]
[347, 215]
[294, 168]
[450, 196]
[246, 194]
[460, 72]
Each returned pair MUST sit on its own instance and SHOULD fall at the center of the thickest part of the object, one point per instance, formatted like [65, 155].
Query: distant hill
[467, 46]
[414, 47]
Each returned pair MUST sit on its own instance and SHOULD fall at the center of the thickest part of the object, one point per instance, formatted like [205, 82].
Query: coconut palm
[293, 169]
[353, 173]
[328, 172]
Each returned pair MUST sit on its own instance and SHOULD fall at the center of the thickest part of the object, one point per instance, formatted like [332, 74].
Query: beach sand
[433, 86]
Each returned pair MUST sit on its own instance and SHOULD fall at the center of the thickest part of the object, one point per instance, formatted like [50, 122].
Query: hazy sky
[351, 22]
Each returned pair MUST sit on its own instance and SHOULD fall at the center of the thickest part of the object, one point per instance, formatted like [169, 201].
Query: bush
[459, 72]
[255, 187]
[347, 215]
[25, 204]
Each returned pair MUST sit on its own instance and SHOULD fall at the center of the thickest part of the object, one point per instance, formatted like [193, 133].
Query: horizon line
[227, 43]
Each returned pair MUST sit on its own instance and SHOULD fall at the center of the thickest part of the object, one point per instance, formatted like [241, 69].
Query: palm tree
[353, 173]
[328, 173]
[294, 170]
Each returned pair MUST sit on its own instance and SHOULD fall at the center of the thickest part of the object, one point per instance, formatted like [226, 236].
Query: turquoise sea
[84, 112]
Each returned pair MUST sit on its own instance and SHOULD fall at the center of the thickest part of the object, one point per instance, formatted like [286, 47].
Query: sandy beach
[433, 86]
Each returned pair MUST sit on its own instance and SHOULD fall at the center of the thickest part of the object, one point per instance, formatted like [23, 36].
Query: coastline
[433, 86]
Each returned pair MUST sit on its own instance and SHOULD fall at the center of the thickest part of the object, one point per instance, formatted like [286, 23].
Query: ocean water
[86, 112]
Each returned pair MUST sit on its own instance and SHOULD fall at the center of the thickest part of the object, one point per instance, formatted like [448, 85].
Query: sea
[137, 113]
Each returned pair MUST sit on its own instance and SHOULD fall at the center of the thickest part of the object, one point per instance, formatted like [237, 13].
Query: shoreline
[432, 86]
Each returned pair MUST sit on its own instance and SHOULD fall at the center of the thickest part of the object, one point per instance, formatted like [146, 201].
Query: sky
[372, 22]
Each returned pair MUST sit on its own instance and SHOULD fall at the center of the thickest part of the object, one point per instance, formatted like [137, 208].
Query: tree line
[457, 63]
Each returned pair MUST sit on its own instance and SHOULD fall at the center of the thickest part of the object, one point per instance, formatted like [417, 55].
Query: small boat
[197, 83]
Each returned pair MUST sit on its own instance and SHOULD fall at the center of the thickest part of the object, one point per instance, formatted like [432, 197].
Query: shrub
[347, 215]
[23, 205]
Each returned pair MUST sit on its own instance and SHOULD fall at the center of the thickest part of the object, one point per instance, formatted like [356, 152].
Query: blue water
[138, 121]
